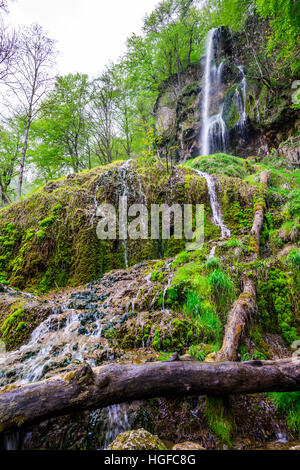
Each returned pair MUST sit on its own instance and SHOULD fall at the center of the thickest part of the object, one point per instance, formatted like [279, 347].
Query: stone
[188, 446]
[137, 440]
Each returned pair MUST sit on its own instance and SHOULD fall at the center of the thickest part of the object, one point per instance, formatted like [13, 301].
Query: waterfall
[214, 135]
[212, 252]
[124, 193]
[239, 100]
[214, 203]
[206, 93]
[117, 422]
[11, 442]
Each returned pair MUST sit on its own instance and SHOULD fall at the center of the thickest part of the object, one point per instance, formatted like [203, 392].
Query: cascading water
[214, 203]
[124, 193]
[117, 423]
[239, 100]
[215, 135]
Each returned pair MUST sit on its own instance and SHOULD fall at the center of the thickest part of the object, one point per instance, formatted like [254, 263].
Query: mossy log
[243, 310]
[259, 214]
[116, 383]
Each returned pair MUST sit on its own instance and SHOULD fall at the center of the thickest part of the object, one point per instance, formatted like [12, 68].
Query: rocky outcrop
[290, 150]
[49, 240]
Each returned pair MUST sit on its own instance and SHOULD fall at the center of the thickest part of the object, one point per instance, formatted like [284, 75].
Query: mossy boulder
[49, 240]
[137, 440]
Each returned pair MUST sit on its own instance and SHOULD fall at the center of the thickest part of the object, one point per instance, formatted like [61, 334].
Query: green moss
[156, 344]
[40, 234]
[47, 222]
[220, 164]
[13, 328]
[277, 302]
[219, 419]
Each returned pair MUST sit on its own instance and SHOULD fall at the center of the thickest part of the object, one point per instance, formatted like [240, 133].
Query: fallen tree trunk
[259, 215]
[116, 383]
[243, 310]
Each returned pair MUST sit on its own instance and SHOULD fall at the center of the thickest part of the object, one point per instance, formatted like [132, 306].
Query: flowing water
[239, 100]
[117, 422]
[214, 135]
[123, 175]
[214, 203]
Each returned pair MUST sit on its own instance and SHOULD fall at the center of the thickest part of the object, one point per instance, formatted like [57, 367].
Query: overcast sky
[89, 33]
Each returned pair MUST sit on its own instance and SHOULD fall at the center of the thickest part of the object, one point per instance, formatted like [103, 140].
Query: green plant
[289, 403]
[196, 353]
[207, 322]
[219, 419]
[213, 263]
[221, 288]
[294, 257]
[232, 243]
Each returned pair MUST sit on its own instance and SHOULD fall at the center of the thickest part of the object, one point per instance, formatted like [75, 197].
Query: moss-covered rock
[49, 240]
[137, 440]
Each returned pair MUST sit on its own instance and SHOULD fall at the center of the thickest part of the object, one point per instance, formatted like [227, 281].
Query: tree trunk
[259, 214]
[116, 383]
[22, 164]
[245, 308]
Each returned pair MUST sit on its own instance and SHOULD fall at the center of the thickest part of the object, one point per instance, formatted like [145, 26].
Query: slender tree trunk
[116, 383]
[24, 151]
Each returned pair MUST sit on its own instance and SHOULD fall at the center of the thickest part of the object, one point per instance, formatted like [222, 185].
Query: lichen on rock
[137, 440]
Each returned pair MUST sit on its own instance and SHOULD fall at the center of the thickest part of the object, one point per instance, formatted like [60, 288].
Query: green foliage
[196, 353]
[232, 13]
[275, 301]
[289, 404]
[294, 258]
[207, 322]
[213, 263]
[63, 114]
[284, 35]
[220, 164]
[222, 289]
[219, 420]
[232, 243]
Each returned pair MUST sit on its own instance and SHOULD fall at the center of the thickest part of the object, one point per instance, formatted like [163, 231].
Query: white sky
[89, 33]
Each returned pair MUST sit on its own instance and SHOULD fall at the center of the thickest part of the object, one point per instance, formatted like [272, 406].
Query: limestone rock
[137, 440]
[188, 446]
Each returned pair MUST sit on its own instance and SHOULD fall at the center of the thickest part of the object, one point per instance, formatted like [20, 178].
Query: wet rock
[137, 440]
[188, 446]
